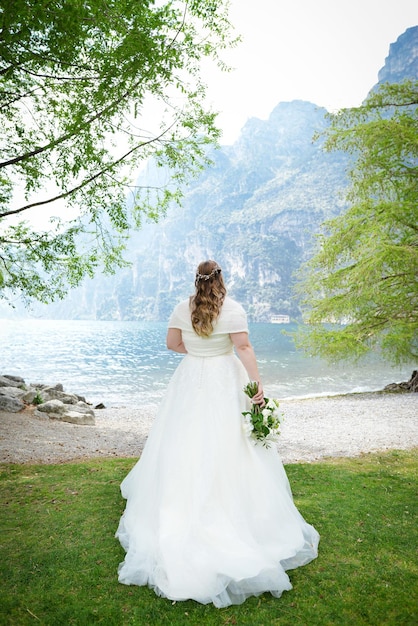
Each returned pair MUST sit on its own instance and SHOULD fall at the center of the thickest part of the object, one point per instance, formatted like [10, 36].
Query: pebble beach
[312, 429]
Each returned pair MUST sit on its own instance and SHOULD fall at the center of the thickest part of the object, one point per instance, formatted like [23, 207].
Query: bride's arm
[246, 354]
[174, 341]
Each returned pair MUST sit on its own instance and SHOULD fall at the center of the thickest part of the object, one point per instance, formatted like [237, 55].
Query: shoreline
[313, 428]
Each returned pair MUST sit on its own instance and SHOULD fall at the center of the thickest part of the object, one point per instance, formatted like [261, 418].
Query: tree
[360, 289]
[78, 79]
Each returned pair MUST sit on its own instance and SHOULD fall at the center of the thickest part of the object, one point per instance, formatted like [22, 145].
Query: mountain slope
[255, 211]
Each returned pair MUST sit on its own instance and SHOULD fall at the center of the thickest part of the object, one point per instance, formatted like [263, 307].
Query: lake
[127, 363]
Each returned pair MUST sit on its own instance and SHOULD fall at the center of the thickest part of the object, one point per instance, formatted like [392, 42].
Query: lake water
[127, 363]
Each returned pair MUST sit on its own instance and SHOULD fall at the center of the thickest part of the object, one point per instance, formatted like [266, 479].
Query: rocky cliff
[402, 61]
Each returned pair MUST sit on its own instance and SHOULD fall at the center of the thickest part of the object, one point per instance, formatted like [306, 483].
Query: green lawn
[59, 558]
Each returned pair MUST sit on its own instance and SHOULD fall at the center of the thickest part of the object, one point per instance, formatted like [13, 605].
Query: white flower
[248, 428]
[270, 422]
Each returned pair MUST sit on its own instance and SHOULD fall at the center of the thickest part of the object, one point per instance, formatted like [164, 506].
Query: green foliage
[59, 557]
[364, 273]
[37, 399]
[79, 80]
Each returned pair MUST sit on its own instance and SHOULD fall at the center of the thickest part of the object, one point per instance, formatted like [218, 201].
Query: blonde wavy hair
[207, 302]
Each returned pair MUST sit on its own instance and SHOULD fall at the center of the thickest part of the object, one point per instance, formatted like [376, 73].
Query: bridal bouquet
[262, 423]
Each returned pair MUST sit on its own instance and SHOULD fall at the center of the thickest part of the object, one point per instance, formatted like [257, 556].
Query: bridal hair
[210, 294]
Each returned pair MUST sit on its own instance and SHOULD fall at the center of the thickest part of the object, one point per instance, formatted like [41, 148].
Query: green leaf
[86, 73]
[359, 291]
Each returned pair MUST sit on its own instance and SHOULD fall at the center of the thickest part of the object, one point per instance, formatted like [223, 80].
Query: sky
[328, 52]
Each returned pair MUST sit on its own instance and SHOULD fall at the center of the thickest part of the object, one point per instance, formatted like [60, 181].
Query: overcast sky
[328, 52]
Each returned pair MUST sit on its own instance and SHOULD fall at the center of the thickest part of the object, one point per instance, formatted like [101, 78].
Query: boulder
[57, 386]
[15, 379]
[8, 381]
[82, 419]
[29, 396]
[79, 413]
[11, 404]
[52, 393]
[51, 400]
[12, 392]
[55, 392]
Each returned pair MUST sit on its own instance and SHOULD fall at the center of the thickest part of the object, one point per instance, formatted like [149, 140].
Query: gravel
[312, 429]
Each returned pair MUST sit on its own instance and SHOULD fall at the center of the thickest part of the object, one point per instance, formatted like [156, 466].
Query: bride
[209, 513]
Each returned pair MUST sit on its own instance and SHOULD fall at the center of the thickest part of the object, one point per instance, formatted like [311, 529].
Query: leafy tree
[360, 289]
[77, 81]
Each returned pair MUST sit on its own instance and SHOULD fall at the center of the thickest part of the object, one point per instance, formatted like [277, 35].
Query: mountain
[255, 211]
[402, 61]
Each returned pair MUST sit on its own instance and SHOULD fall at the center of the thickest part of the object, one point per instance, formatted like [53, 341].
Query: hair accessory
[214, 272]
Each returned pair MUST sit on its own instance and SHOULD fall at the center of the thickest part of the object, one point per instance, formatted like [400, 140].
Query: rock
[413, 381]
[396, 388]
[55, 392]
[57, 386]
[83, 419]
[410, 385]
[52, 393]
[82, 407]
[100, 406]
[51, 400]
[29, 396]
[11, 404]
[79, 413]
[52, 406]
[13, 392]
[7, 381]
[16, 379]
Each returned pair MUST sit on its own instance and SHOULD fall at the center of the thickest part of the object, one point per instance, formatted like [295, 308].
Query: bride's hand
[258, 398]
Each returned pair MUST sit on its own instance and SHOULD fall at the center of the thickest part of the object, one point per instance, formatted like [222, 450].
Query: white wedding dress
[209, 514]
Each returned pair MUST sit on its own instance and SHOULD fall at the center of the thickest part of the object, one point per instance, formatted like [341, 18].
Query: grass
[59, 558]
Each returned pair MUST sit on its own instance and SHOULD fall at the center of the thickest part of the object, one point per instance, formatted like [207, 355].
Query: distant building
[280, 319]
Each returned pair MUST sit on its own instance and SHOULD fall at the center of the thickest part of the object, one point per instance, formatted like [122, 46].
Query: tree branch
[93, 118]
[58, 78]
[87, 181]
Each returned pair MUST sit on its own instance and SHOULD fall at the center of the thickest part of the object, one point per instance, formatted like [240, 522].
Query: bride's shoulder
[232, 318]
